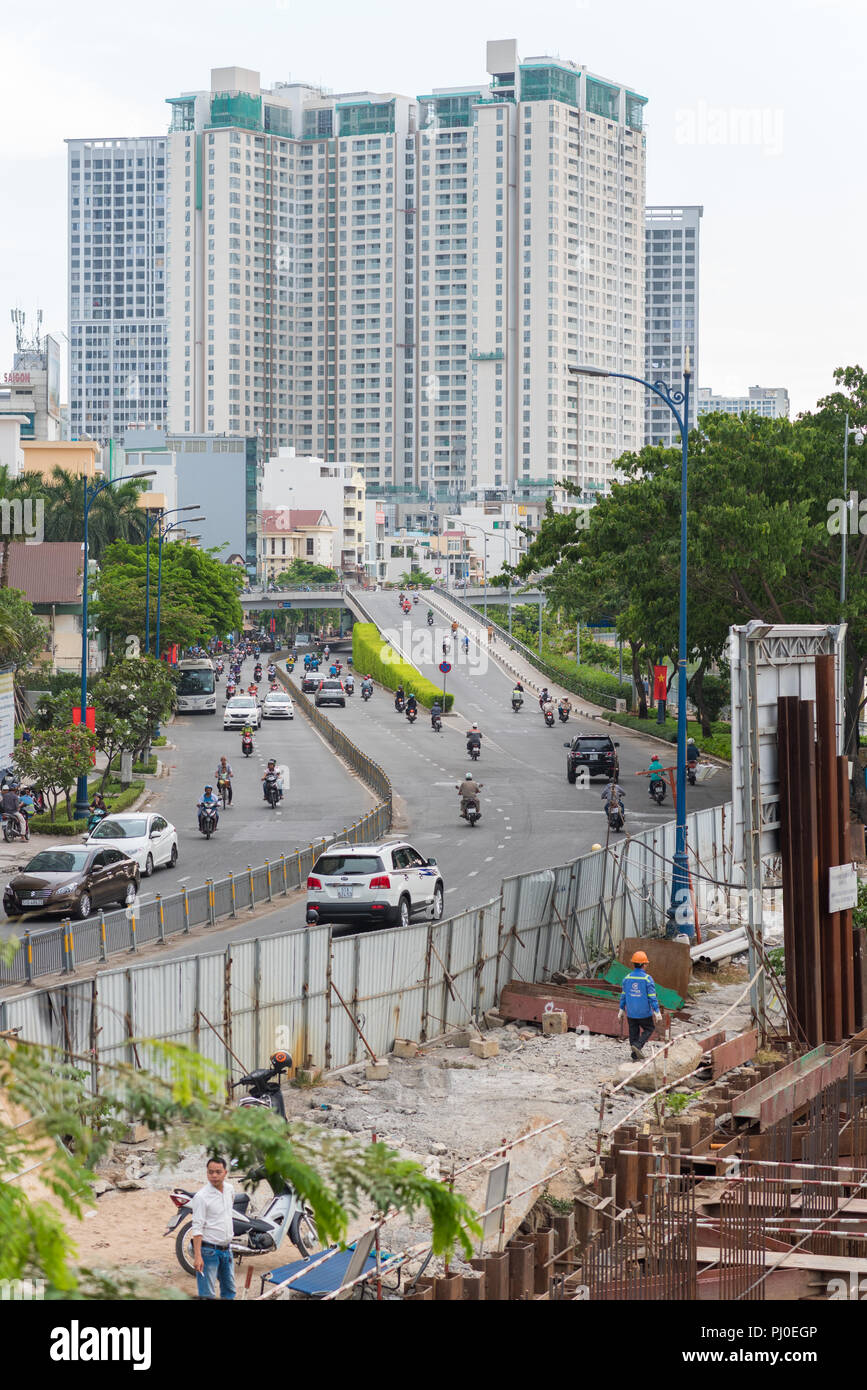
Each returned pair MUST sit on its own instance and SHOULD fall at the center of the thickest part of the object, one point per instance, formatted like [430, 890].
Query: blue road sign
[445, 667]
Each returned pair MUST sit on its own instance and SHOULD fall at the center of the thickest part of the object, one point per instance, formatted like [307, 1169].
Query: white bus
[197, 687]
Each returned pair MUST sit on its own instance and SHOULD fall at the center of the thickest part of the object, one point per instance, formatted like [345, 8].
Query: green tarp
[668, 998]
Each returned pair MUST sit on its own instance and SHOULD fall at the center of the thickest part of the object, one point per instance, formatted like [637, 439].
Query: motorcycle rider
[466, 645]
[613, 793]
[269, 774]
[399, 698]
[367, 685]
[474, 738]
[654, 772]
[224, 773]
[547, 704]
[518, 694]
[544, 697]
[468, 791]
[564, 708]
[349, 682]
[208, 799]
[272, 670]
[436, 714]
[411, 703]
[430, 613]
[693, 752]
[252, 689]
[10, 805]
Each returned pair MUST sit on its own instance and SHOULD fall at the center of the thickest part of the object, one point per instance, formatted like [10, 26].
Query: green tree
[416, 578]
[22, 634]
[306, 572]
[199, 594]
[140, 693]
[183, 1105]
[114, 515]
[53, 760]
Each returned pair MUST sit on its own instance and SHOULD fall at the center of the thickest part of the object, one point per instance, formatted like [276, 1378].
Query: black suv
[596, 752]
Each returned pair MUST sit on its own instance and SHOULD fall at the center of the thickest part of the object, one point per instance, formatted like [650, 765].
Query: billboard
[7, 717]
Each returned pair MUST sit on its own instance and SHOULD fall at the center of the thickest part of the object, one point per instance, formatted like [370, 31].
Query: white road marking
[472, 873]
[488, 858]
[185, 878]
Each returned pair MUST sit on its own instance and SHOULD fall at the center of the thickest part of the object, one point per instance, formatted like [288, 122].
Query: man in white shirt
[212, 1233]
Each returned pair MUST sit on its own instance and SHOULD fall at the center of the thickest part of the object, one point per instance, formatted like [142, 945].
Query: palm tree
[13, 489]
[114, 515]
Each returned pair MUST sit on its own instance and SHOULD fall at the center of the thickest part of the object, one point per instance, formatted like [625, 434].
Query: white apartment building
[671, 314]
[117, 268]
[401, 283]
[770, 401]
[307, 483]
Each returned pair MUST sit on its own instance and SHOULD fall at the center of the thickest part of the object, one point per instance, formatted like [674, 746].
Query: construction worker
[639, 1002]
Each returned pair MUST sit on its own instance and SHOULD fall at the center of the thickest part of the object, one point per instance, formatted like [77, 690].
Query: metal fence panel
[390, 983]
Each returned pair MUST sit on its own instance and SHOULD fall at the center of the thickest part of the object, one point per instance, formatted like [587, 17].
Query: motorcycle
[252, 1235]
[436, 721]
[96, 815]
[208, 819]
[472, 811]
[263, 1086]
[412, 715]
[615, 815]
[223, 790]
[271, 788]
[549, 718]
[349, 685]
[12, 828]
[246, 744]
[563, 715]
[257, 674]
[231, 690]
[399, 703]
[690, 774]
[657, 791]
[474, 751]
[517, 702]
[430, 621]
[415, 598]
[366, 692]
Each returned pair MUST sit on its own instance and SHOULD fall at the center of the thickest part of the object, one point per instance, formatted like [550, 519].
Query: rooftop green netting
[236, 109]
[549, 84]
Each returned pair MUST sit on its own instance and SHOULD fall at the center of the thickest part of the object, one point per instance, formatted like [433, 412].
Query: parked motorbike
[252, 1235]
[208, 819]
[271, 788]
[263, 1085]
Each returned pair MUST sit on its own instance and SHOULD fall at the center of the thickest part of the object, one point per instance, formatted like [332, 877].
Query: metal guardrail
[61, 949]
[586, 689]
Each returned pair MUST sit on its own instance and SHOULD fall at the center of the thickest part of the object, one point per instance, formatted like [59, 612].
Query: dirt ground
[443, 1108]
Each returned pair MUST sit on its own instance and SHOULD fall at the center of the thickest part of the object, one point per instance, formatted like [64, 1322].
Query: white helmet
[469, 777]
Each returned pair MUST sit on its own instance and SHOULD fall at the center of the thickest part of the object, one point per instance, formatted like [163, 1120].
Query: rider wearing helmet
[639, 1002]
[468, 791]
[208, 799]
[474, 738]
[411, 703]
[269, 776]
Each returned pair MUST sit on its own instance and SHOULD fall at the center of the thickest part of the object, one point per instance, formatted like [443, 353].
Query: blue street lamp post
[680, 913]
[82, 800]
[162, 535]
[151, 522]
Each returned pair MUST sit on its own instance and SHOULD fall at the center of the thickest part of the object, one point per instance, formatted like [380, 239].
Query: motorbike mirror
[567, 745]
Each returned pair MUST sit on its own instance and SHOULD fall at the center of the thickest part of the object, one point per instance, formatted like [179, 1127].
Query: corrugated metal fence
[418, 983]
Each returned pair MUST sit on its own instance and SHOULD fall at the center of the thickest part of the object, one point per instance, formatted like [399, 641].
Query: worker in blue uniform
[639, 1002]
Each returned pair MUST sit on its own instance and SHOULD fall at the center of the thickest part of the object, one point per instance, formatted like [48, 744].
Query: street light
[162, 536]
[82, 800]
[150, 523]
[679, 914]
[459, 521]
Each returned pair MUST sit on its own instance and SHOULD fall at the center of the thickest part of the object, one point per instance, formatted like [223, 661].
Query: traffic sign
[287, 603]
[445, 667]
[437, 570]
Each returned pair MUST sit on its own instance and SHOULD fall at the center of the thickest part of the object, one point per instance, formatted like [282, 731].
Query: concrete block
[136, 1134]
[484, 1047]
[464, 1038]
[494, 1019]
[404, 1047]
[376, 1071]
[554, 1023]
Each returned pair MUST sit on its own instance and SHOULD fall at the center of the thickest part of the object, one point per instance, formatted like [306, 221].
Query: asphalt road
[532, 817]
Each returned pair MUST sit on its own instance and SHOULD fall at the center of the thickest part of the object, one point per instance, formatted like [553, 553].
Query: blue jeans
[219, 1264]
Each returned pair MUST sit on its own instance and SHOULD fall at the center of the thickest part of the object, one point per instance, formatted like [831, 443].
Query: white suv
[384, 884]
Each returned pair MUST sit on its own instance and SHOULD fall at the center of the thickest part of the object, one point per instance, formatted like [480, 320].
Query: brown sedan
[72, 881]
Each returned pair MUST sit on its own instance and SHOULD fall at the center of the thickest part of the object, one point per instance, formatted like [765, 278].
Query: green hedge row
[44, 825]
[587, 681]
[370, 653]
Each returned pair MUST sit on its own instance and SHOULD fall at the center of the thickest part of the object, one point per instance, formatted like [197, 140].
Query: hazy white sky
[755, 111]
